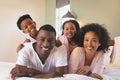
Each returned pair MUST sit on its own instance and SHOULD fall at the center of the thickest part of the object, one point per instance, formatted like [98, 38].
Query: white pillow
[116, 53]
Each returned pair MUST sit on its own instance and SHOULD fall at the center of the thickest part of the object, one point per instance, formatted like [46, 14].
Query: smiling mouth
[90, 48]
[31, 30]
[45, 48]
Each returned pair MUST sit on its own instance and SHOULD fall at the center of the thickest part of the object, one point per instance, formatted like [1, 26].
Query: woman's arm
[85, 70]
[95, 75]
[99, 63]
[76, 60]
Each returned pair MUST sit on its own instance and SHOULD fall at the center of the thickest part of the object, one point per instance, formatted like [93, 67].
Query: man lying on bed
[41, 59]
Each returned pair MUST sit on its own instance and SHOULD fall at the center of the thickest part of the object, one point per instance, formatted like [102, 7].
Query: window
[59, 13]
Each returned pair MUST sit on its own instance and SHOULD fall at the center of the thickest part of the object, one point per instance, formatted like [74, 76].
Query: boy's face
[45, 41]
[28, 26]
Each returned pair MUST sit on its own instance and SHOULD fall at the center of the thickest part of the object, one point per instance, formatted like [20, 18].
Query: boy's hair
[48, 27]
[21, 18]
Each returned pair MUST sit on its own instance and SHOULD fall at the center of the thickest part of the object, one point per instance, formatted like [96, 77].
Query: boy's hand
[20, 47]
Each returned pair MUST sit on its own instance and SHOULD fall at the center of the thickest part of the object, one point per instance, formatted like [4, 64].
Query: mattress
[110, 73]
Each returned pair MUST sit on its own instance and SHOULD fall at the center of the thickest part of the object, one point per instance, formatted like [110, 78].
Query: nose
[69, 30]
[29, 27]
[89, 43]
[45, 43]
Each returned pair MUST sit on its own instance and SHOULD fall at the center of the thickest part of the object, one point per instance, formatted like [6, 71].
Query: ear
[34, 22]
[99, 44]
[23, 31]
[62, 33]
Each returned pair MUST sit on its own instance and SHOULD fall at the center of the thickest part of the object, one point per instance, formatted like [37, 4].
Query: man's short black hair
[21, 18]
[48, 27]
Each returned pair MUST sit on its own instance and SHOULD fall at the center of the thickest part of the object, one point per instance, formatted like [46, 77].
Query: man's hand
[18, 71]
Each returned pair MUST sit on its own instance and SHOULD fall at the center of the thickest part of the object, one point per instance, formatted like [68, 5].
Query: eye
[72, 28]
[51, 40]
[42, 39]
[66, 28]
[95, 40]
[86, 40]
[30, 23]
[25, 27]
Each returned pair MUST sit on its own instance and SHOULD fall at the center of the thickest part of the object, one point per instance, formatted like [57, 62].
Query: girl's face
[91, 42]
[28, 26]
[69, 30]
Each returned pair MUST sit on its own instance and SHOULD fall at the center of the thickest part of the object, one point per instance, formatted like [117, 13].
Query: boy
[28, 26]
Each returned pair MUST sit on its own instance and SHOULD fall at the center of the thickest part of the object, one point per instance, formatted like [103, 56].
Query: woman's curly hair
[100, 31]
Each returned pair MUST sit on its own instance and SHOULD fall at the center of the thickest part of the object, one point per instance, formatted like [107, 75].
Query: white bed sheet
[109, 74]
[5, 68]
[66, 77]
[113, 72]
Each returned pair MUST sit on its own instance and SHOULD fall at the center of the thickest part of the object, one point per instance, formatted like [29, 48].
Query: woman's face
[91, 42]
[69, 30]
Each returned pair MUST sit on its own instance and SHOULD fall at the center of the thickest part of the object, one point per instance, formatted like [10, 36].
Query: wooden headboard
[111, 43]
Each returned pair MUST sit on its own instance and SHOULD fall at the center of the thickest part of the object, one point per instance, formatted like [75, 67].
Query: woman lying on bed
[90, 58]
[41, 59]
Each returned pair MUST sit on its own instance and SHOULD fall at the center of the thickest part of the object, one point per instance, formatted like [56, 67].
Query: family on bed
[76, 51]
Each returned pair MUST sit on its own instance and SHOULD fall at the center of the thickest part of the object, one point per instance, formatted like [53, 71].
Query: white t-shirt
[30, 38]
[28, 57]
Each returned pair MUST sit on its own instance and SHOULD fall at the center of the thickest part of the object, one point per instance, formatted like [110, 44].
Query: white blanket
[109, 74]
[72, 77]
[5, 68]
[66, 77]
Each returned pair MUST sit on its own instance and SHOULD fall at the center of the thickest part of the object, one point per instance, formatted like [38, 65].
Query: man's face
[45, 41]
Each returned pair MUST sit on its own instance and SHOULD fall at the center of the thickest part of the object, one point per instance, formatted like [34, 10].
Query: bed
[111, 72]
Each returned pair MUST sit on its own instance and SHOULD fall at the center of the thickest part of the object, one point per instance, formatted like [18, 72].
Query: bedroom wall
[105, 12]
[10, 35]
[50, 12]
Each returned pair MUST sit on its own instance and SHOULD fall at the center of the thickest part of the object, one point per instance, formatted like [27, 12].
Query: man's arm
[59, 71]
[20, 71]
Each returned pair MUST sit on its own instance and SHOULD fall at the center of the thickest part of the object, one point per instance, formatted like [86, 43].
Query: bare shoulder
[78, 49]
